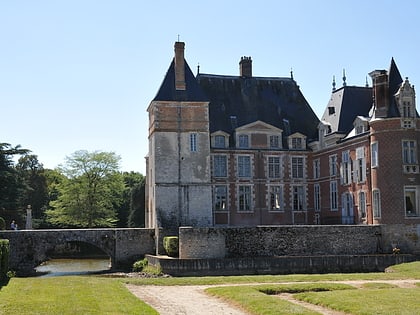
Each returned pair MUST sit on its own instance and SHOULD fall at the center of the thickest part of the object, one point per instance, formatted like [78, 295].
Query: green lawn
[69, 295]
[103, 295]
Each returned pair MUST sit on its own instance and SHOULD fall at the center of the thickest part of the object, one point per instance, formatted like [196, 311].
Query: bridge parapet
[28, 248]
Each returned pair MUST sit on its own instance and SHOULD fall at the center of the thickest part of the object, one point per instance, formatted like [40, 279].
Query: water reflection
[64, 267]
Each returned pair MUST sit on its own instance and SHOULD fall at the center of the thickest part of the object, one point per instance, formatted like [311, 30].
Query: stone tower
[178, 164]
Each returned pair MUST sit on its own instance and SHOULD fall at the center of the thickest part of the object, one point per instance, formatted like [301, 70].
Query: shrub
[171, 245]
[4, 260]
[139, 265]
[2, 224]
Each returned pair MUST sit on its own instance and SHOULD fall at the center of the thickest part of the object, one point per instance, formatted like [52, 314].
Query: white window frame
[275, 198]
[333, 164]
[317, 197]
[374, 161]
[297, 167]
[411, 205]
[376, 203]
[219, 141]
[345, 169]
[362, 204]
[275, 142]
[243, 141]
[333, 195]
[409, 151]
[298, 198]
[193, 142]
[220, 195]
[244, 166]
[219, 165]
[244, 198]
[317, 169]
[359, 166]
[274, 166]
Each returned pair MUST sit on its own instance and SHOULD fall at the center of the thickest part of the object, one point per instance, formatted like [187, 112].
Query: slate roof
[192, 93]
[394, 80]
[345, 105]
[236, 101]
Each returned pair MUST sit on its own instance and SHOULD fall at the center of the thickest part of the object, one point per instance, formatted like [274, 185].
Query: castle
[247, 151]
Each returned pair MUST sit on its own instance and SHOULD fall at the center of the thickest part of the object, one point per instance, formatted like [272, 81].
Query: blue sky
[80, 74]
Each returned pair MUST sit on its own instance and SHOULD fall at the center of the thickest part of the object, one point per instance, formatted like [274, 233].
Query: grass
[103, 295]
[69, 295]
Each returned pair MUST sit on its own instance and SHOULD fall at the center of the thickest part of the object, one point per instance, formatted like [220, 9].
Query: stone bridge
[29, 248]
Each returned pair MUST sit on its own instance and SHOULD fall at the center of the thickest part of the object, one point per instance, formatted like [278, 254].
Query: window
[298, 195]
[345, 168]
[220, 197]
[317, 168]
[297, 167]
[333, 165]
[406, 109]
[220, 166]
[244, 202]
[317, 197]
[243, 141]
[360, 165]
[410, 201]
[347, 214]
[219, 141]
[193, 142]
[409, 152]
[296, 143]
[374, 154]
[274, 167]
[362, 204]
[333, 196]
[274, 142]
[244, 166]
[276, 198]
[376, 201]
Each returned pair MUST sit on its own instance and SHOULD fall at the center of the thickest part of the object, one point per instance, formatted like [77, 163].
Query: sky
[80, 74]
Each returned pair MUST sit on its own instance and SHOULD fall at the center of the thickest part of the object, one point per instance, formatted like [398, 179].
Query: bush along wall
[2, 224]
[4, 260]
[171, 245]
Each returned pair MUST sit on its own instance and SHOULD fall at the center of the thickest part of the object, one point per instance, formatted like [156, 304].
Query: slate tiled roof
[236, 101]
[345, 105]
[167, 91]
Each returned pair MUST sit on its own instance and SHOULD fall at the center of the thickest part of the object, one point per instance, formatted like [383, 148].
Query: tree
[90, 193]
[137, 205]
[131, 180]
[11, 186]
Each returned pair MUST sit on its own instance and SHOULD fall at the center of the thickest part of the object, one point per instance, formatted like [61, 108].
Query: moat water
[70, 266]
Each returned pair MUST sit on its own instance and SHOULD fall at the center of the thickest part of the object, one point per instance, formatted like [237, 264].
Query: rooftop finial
[178, 37]
[344, 77]
[367, 84]
[333, 83]
[291, 73]
[198, 68]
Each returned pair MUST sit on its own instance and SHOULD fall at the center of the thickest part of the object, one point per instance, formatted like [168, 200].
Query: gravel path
[192, 300]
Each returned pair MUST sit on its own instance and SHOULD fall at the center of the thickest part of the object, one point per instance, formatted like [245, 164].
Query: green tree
[131, 180]
[90, 192]
[137, 205]
[11, 186]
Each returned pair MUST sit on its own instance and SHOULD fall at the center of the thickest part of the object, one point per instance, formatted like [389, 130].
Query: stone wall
[279, 241]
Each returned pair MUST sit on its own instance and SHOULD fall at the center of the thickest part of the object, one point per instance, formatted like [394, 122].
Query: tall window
[317, 169]
[243, 141]
[409, 152]
[274, 142]
[219, 141]
[297, 167]
[244, 200]
[333, 165]
[362, 204]
[374, 154]
[276, 198]
[347, 214]
[244, 166]
[376, 201]
[219, 165]
[274, 167]
[360, 165]
[193, 142]
[220, 198]
[410, 201]
[298, 195]
[345, 168]
[317, 197]
[333, 196]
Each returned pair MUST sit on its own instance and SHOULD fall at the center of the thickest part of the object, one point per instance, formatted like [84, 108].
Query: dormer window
[274, 142]
[406, 100]
[219, 141]
[297, 141]
[360, 125]
[243, 141]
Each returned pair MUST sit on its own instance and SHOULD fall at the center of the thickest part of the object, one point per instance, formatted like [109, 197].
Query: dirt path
[192, 300]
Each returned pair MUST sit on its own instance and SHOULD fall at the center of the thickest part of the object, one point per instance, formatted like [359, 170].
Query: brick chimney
[380, 92]
[245, 67]
[179, 66]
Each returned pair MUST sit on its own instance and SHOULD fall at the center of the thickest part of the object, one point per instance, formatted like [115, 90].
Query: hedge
[171, 244]
[4, 259]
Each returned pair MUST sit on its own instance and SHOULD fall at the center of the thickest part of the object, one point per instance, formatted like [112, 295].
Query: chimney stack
[179, 66]
[380, 92]
[245, 67]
